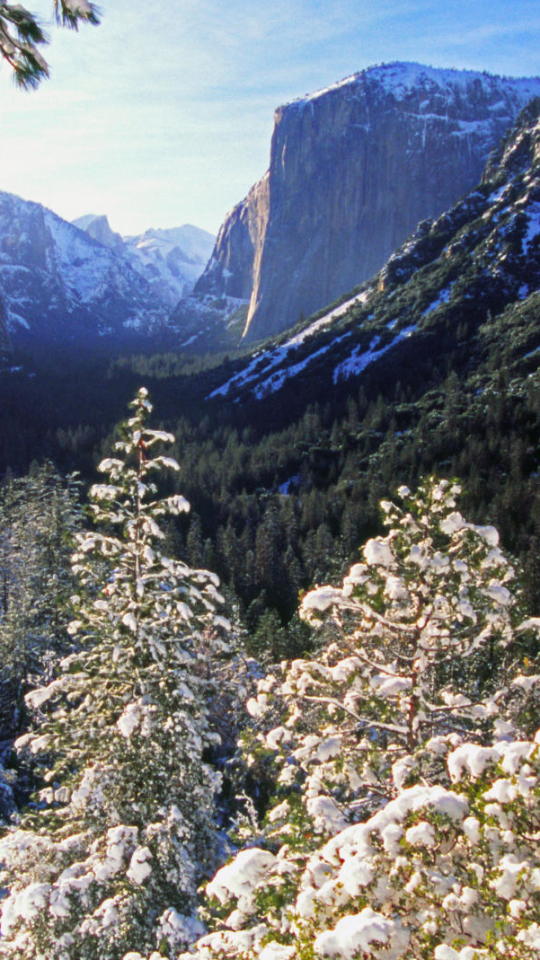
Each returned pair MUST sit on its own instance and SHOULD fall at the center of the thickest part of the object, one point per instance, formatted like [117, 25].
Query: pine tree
[404, 824]
[109, 859]
[21, 36]
[39, 515]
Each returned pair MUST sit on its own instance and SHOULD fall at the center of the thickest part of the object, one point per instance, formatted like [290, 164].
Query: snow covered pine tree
[108, 859]
[406, 820]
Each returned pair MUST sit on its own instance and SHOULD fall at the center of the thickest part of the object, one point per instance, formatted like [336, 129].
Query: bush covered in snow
[405, 821]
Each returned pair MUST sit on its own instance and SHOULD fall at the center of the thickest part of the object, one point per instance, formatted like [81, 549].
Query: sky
[163, 114]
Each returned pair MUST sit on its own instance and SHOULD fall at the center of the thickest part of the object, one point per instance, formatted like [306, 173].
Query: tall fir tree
[109, 857]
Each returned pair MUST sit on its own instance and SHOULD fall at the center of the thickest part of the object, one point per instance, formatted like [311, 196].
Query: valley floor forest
[372, 794]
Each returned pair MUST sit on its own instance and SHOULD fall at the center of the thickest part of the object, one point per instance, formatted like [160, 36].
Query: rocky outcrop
[231, 268]
[99, 228]
[353, 169]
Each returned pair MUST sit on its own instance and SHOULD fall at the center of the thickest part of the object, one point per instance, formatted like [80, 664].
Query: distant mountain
[99, 229]
[353, 169]
[60, 285]
[76, 283]
[169, 260]
[440, 291]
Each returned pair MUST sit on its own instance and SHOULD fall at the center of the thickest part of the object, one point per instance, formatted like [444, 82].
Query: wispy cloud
[164, 113]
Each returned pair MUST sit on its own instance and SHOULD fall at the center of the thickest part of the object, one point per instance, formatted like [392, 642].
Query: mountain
[169, 260]
[436, 292]
[99, 229]
[432, 366]
[59, 285]
[74, 283]
[353, 170]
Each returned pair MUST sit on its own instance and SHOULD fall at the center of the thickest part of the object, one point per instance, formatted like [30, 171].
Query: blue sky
[163, 114]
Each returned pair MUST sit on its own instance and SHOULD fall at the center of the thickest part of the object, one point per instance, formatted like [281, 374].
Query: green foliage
[404, 819]
[39, 517]
[108, 856]
[21, 36]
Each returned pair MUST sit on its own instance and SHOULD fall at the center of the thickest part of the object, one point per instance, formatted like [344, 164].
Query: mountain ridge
[60, 283]
[484, 250]
[353, 169]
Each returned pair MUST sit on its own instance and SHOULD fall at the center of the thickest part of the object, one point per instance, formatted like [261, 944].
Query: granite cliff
[353, 170]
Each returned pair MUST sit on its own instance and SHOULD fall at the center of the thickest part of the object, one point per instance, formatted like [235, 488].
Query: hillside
[432, 366]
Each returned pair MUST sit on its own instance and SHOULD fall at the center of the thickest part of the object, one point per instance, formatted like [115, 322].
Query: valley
[293, 657]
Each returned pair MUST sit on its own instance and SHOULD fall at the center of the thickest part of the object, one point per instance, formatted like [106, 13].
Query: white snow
[400, 78]
[443, 297]
[139, 867]
[358, 360]
[533, 226]
[358, 933]
[378, 552]
[262, 363]
[240, 877]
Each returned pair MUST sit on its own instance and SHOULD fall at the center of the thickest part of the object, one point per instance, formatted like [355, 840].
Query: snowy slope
[171, 260]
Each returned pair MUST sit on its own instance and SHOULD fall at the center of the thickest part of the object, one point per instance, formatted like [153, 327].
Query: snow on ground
[357, 361]
[443, 297]
[400, 78]
[267, 360]
[533, 226]
[84, 267]
[277, 379]
[323, 321]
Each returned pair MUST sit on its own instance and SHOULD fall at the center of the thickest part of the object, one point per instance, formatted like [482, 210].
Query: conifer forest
[270, 576]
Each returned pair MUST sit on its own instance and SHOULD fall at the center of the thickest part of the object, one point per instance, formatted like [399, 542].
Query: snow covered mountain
[440, 293]
[353, 170]
[169, 260]
[60, 285]
[70, 283]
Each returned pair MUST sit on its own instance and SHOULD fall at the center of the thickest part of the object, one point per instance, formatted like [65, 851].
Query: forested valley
[269, 657]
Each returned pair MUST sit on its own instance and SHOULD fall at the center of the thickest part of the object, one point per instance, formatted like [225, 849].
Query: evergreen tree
[21, 36]
[109, 859]
[404, 824]
[39, 516]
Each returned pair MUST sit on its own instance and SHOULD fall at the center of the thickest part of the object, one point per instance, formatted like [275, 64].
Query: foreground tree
[405, 821]
[110, 857]
[21, 36]
[39, 516]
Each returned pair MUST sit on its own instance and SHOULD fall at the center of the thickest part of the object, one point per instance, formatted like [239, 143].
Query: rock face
[353, 169]
[461, 286]
[99, 228]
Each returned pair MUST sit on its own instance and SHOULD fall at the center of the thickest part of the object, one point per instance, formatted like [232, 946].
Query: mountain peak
[353, 169]
[98, 227]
